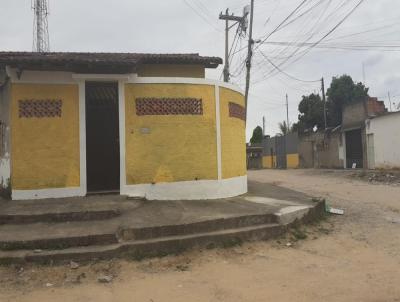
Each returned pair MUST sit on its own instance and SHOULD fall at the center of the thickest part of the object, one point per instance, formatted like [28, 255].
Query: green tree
[311, 109]
[283, 127]
[257, 135]
[343, 91]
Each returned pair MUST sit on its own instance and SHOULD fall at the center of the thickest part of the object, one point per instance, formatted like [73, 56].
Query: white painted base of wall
[47, 193]
[4, 171]
[189, 190]
[183, 190]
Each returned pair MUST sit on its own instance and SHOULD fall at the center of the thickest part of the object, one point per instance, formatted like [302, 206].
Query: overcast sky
[180, 26]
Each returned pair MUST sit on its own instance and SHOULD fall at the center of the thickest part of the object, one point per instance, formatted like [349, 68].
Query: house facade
[146, 125]
[281, 151]
[383, 141]
[354, 132]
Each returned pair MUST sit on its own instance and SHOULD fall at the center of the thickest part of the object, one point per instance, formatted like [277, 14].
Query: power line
[314, 44]
[280, 24]
[285, 73]
[202, 16]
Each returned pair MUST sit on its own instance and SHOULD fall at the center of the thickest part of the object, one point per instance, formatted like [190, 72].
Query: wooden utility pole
[228, 18]
[249, 55]
[323, 98]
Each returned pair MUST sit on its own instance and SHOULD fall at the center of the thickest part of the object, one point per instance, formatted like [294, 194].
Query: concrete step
[21, 218]
[139, 249]
[49, 236]
[53, 236]
[64, 209]
[210, 225]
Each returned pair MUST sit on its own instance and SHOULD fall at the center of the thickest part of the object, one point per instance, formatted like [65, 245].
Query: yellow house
[146, 125]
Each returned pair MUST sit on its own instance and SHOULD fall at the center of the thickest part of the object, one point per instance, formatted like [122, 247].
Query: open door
[102, 137]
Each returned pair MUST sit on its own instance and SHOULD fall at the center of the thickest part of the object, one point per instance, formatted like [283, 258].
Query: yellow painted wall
[269, 162]
[170, 70]
[45, 151]
[233, 136]
[292, 160]
[177, 147]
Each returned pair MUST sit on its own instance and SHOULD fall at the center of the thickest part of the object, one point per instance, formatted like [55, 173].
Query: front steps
[103, 227]
[139, 249]
[103, 239]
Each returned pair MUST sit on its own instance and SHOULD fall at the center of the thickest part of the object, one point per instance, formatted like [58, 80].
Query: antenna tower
[40, 26]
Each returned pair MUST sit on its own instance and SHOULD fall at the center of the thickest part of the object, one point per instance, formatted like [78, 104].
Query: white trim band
[189, 190]
[134, 79]
[218, 131]
[47, 193]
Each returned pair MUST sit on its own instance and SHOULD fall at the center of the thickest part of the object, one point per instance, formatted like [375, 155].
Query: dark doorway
[354, 150]
[102, 137]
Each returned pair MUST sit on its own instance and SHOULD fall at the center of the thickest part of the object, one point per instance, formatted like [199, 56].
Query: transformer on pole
[41, 41]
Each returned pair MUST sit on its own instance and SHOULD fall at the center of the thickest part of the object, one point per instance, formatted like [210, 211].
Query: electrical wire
[201, 16]
[285, 73]
[314, 44]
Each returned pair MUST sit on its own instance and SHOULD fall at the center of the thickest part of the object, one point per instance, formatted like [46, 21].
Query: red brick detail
[40, 108]
[236, 110]
[169, 106]
[375, 106]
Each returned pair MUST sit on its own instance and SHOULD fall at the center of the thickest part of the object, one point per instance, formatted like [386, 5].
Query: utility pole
[323, 98]
[390, 102]
[263, 126]
[287, 113]
[41, 31]
[363, 71]
[249, 56]
[228, 18]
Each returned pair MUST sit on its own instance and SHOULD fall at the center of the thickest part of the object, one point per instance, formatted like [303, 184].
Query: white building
[383, 141]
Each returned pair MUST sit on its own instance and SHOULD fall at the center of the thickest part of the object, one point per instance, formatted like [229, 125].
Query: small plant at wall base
[5, 189]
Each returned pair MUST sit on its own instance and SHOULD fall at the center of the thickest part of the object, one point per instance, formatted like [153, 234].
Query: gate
[280, 152]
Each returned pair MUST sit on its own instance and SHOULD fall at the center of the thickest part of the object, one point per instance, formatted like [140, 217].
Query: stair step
[142, 233]
[58, 217]
[46, 236]
[138, 249]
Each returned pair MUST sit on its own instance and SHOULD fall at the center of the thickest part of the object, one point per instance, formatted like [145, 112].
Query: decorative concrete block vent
[237, 111]
[169, 106]
[39, 108]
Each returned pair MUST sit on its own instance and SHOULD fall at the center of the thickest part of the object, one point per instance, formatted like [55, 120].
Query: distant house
[280, 151]
[367, 138]
[354, 132]
[383, 141]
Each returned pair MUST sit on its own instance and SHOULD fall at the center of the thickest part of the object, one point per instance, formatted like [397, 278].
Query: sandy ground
[355, 257]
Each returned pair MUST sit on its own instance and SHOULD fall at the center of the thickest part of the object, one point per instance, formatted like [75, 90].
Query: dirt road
[355, 257]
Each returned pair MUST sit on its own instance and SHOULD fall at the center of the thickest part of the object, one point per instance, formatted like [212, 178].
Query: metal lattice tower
[41, 41]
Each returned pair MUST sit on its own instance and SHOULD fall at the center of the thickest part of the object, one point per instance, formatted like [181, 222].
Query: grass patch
[299, 234]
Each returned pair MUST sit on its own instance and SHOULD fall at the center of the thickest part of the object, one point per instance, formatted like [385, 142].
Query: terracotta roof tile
[73, 61]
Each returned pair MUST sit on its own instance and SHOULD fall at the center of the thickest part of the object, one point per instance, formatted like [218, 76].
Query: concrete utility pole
[41, 31]
[237, 20]
[390, 102]
[263, 126]
[323, 98]
[287, 113]
[249, 55]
